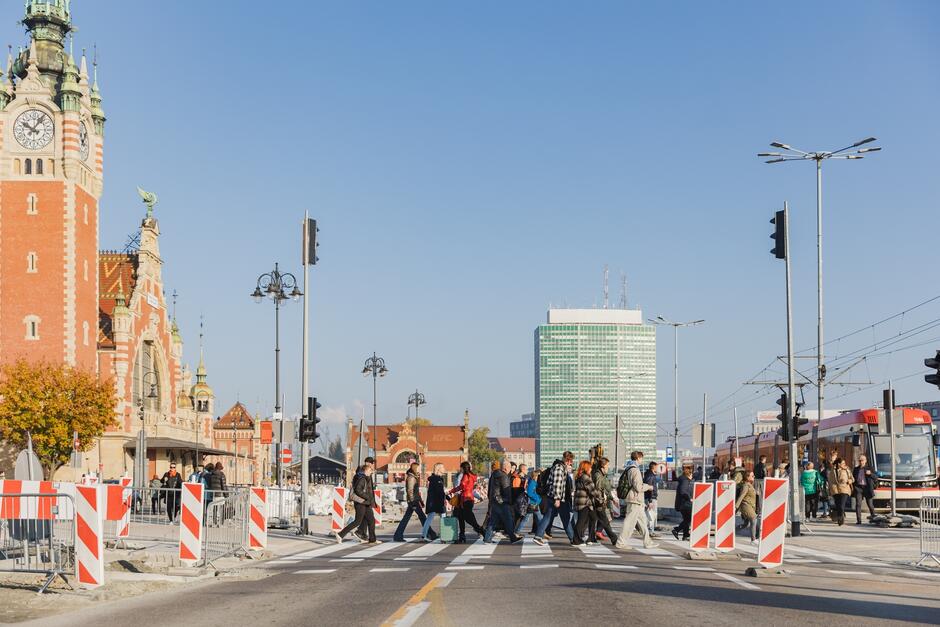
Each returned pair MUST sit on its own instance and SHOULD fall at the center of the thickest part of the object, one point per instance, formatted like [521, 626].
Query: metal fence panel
[929, 529]
[155, 513]
[226, 526]
[34, 538]
[283, 508]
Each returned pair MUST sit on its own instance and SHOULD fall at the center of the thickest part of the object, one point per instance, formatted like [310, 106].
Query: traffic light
[799, 421]
[933, 362]
[308, 423]
[784, 418]
[779, 235]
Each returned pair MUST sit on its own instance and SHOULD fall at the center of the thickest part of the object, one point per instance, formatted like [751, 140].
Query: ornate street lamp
[375, 366]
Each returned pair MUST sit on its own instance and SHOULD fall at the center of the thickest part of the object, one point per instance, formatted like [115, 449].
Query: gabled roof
[512, 445]
[433, 438]
[117, 273]
[238, 417]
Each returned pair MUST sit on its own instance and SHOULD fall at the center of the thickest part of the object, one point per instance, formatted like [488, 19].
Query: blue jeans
[501, 512]
[525, 520]
[413, 508]
[564, 512]
[426, 529]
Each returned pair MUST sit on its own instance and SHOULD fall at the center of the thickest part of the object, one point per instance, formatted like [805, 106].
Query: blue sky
[470, 164]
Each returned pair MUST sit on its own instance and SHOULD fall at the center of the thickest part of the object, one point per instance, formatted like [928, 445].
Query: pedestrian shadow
[817, 603]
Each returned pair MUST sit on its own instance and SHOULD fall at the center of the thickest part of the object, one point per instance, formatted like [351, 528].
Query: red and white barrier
[773, 523]
[724, 515]
[66, 505]
[89, 535]
[377, 508]
[614, 504]
[41, 508]
[338, 512]
[257, 518]
[701, 516]
[118, 508]
[191, 523]
[124, 526]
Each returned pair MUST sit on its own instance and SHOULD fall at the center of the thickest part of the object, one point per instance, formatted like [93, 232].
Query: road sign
[706, 430]
[27, 467]
[267, 432]
[286, 456]
[669, 457]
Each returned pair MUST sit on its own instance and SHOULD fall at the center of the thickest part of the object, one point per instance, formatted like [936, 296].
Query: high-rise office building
[592, 365]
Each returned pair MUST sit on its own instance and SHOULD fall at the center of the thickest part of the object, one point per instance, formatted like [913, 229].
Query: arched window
[31, 262]
[85, 212]
[405, 457]
[51, 167]
[17, 167]
[38, 166]
[32, 326]
[85, 269]
[29, 166]
[147, 377]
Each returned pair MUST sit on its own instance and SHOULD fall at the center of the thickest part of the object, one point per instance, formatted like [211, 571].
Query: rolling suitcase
[449, 529]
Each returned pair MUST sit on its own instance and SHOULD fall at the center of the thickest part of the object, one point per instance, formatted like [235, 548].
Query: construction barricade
[283, 508]
[226, 528]
[773, 523]
[190, 547]
[724, 516]
[338, 513]
[929, 530]
[257, 518]
[377, 507]
[89, 532]
[34, 535]
[700, 530]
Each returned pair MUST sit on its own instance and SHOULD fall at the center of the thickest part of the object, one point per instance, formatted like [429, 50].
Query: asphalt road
[475, 584]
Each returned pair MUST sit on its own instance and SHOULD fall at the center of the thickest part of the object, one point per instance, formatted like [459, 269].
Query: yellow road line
[416, 598]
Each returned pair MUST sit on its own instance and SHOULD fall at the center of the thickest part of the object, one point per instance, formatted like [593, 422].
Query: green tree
[51, 402]
[481, 455]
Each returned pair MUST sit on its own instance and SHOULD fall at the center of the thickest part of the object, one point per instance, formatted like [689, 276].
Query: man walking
[631, 489]
[684, 492]
[651, 478]
[864, 488]
[501, 496]
[173, 482]
[414, 502]
[556, 495]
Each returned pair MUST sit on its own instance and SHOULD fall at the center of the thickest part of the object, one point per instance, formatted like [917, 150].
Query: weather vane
[150, 199]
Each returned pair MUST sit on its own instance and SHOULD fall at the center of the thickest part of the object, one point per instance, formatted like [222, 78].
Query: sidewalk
[892, 545]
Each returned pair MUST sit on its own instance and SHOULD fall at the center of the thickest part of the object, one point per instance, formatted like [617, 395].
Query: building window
[85, 333]
[144, 364]
[38, 166]
[32, 205]
[85, 269]
[29, 166]
[17, 167]
[85, 211]
[32, 326]
[31, 260]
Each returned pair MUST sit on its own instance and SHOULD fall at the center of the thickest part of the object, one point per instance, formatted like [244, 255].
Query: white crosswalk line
[389, 570]
[637, 545]
[615, 566]
[743, 584]
[423, 552]
[704, 569]
[538, 566]
[464, 567]
[372, 551]
[531, 549]
[322, 571]
[323, 550]
[598, 550]
[477, 550]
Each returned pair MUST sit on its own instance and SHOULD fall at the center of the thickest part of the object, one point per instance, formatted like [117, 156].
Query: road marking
[389, 570]
[615, 566]
[664, 557]
[464, 568]
[411, 559]
[832, 556]
[281, 562]
[743, 584]
[378, 549]
[321, 571]
[477, 550]
[323, 550]
[598, 550]
[539, 566]
[531, 549]
[414, 607]
[347, 559]
[847, 572]
[697, 568]
[425, 551]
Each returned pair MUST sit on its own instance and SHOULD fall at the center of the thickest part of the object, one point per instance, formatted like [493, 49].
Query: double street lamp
[417, 399]
[660, 321]
[375, 366]
[279, 287]
[789, 153]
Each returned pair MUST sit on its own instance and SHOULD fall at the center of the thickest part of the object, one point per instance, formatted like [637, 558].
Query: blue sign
[669, 454]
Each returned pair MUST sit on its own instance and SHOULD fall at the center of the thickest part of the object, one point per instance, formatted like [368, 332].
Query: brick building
[519, 450]
[397, 445]
[239, 434]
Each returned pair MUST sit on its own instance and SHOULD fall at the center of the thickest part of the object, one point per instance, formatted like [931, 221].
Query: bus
[850, 435]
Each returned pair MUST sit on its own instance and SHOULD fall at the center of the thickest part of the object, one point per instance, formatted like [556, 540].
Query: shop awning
[180, 445]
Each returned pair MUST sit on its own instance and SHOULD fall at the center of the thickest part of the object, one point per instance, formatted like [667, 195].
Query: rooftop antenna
[606, 291]
[623, 290]
[201, 324]
[174, 303]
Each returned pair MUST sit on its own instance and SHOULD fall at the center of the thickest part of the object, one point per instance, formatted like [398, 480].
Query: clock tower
[51, 155]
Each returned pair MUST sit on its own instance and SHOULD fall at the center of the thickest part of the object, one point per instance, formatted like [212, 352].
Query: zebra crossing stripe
[531, 549]
[425, 551]
[598, 550]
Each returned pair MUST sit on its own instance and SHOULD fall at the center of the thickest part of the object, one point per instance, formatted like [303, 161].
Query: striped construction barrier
[377, 508]
[338, 511]
[257, 521]
[27, 509]
[89, 535]
[773, 523]
[724, 515]
[124, 526]
[190, 550]
[118, 506]
[614, 504]
[701, 516]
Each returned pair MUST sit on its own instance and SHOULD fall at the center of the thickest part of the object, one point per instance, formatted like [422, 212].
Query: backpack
[541, 488]
[623, 485]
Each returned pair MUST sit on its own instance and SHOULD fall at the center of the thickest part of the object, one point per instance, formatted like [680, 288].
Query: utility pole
[889, 420]
[308, 258]
[737, 448]
[704, 432]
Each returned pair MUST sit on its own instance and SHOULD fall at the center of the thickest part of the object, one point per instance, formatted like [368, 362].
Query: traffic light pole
[796, 515]
[304, 445]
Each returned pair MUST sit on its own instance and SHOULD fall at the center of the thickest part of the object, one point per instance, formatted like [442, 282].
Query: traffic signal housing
[779, 235]
[933, 362]
[308, 423]
[799, 421]
[785, 429]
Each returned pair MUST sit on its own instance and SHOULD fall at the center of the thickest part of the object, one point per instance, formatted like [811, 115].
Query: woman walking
[586, 495]
[363, 500]
[602, 504]
[532, 509]
[435, 500]
[466, 499]
[746, 505]
[840, 487]
[812, 483]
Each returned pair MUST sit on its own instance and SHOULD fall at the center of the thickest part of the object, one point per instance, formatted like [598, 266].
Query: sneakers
[515, 540]
[362, 540]
[651, 545]
[590, 543]
[373, 541]
[675, 532]
[621, 545]
[539, 541]
[339, 538]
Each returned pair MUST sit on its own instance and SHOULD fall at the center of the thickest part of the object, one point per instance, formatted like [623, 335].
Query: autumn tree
[481, 455]
[51, 402]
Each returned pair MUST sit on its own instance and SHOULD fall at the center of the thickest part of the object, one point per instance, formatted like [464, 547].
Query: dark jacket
[760, 472]
[651, 478]
[216, 482]
[866, 474]
[684, 492]
[173, 482]
[435, 494]
[602, 483]
[500, 489]
[586, 494]
[362, 490]
[412, 494]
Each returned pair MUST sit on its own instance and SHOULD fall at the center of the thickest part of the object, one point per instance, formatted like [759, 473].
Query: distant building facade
[519, 450]
[591, 366]
[525, 428]
[931, 407]
[766, 420]
[245, 460]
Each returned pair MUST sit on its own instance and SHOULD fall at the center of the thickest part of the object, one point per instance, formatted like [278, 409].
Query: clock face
[83, 141]
[33, 129]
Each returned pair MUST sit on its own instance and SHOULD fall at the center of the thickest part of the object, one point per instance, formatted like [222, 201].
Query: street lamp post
[278, 286]
[376, 366]
[793, 154]
[140, 461]
[659, 320]
[417, 399]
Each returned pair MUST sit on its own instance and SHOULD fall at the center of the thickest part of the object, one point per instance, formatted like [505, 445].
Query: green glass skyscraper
[592, 365]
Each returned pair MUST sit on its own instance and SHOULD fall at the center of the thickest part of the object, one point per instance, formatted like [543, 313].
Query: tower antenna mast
[606, 291]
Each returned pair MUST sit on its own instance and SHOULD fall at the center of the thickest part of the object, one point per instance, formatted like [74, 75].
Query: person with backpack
[602, 505]
[746, 505]
[413, 502]
[631, 489]
[586, 496]
[650, 497]
[684, 491]
[556, 491]
[363, 500]
[500, 499]
[466, 498]
[533, 503]
[436, 500]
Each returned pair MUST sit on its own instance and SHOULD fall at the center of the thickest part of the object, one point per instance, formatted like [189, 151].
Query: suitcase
[449, 529]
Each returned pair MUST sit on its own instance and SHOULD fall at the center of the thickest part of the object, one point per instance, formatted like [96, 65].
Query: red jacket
[467, 483]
